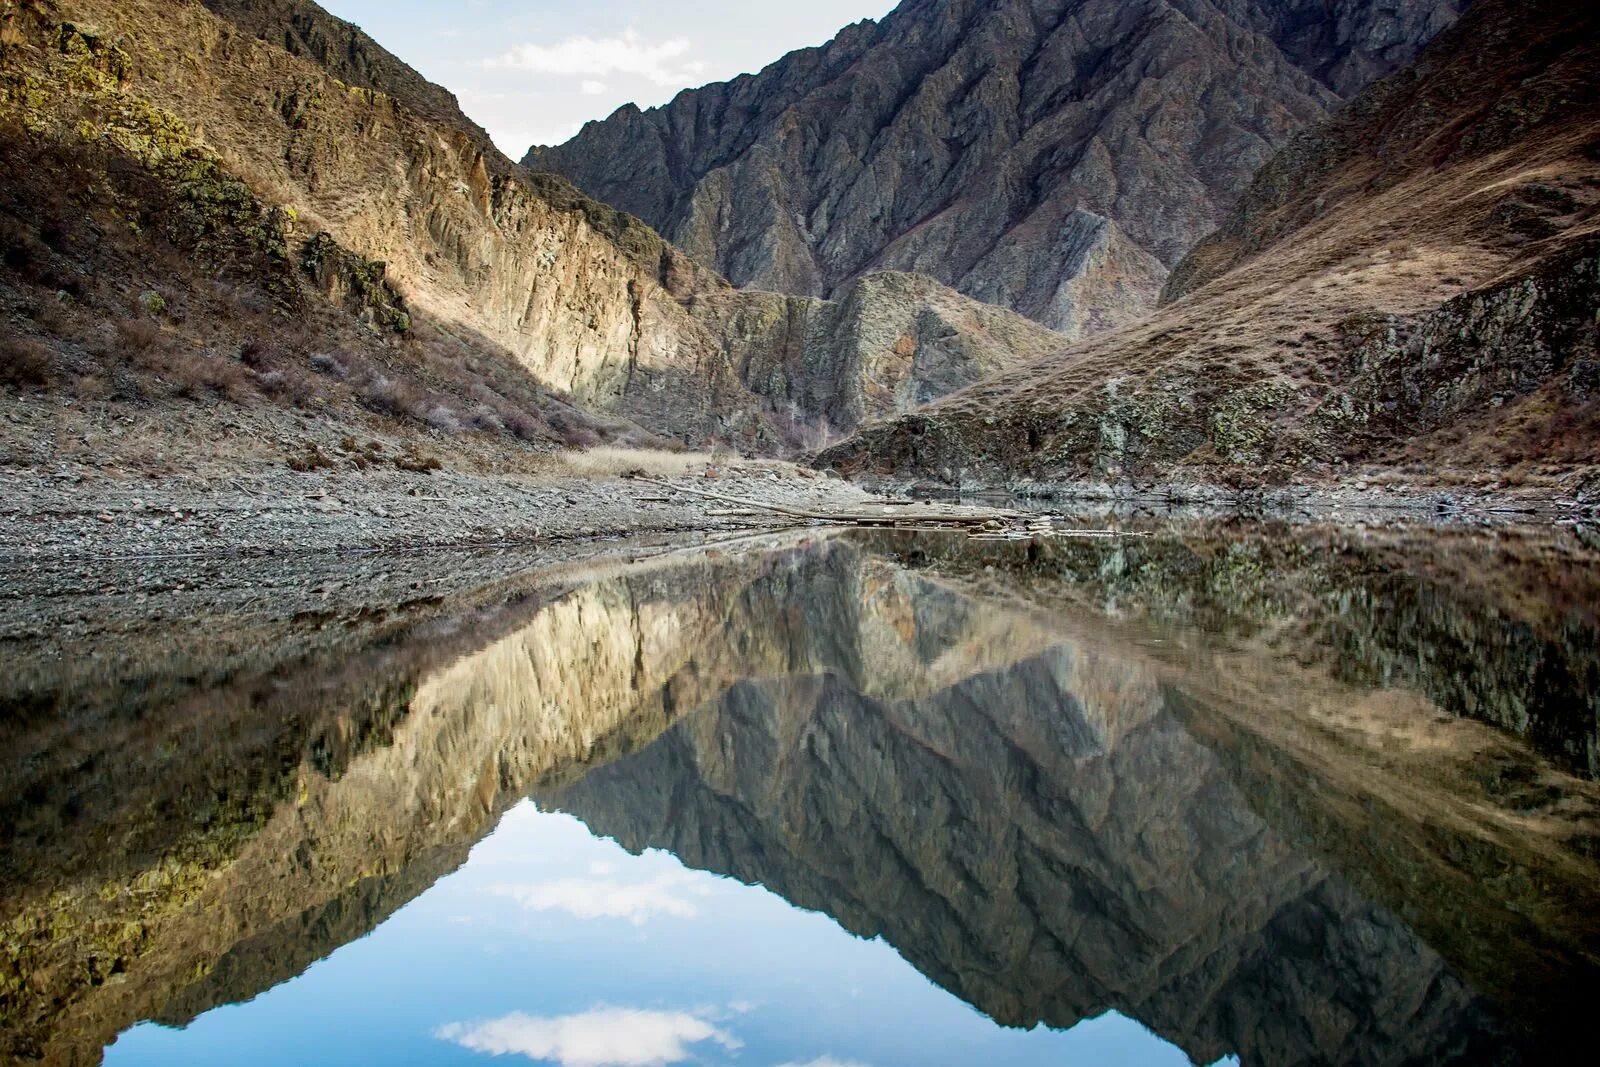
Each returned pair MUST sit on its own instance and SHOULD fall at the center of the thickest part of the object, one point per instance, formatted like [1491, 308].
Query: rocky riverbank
[66, 515]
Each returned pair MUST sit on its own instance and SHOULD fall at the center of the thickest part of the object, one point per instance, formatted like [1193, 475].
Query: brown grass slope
[1412, 286]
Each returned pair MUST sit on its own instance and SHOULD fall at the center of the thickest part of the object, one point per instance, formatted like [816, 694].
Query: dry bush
[310, 458]
[46, 313]
[441, 417]
[24, 362]
[194, 375]
[289, 387]
[487, 420]
[254, 353]
[393, 396]
[333, 366]
[522, 426]
[94, 387]
[417, 461]
[137, 338]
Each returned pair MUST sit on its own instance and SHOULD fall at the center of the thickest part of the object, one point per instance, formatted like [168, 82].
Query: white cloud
[601, 898]
[592, 88]
[660, 62]
[603, 1037]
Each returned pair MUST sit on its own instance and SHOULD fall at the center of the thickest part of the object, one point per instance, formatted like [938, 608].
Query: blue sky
[532, 71]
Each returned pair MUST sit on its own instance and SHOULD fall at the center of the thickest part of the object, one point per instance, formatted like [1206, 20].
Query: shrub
[152, 302]
[193, 375]
[137, 337]
[440, 417]
[522, 426]
[577, 436]
[323, 363]
[391, 396]
[310, 458]
[24, 362]
[416, 461]
[94, 387]
[487, 419]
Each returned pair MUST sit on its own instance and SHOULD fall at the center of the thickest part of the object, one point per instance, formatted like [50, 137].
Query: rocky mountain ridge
[1410, 286]
[1052, 156]
[378, 194]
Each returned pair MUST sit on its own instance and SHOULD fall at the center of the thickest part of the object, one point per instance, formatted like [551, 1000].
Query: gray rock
[1053, 156]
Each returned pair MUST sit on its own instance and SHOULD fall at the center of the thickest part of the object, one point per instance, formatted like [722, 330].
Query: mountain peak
[970, 140]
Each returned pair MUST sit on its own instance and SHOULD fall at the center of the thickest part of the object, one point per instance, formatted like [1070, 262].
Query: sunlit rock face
[1053, 157]
[380, 195]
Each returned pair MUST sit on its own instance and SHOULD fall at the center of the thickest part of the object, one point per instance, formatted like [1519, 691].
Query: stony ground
[54, 516]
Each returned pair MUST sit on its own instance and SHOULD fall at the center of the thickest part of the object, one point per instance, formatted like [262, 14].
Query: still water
[1205, 793]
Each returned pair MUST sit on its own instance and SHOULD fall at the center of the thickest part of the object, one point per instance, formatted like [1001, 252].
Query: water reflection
[1212, 781]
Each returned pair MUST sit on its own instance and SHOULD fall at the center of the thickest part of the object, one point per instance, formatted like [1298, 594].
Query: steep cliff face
[331, 168]
[1411, 283]
[1053, 157]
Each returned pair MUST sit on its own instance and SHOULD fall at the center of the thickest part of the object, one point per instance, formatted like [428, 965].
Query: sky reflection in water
[560, 947]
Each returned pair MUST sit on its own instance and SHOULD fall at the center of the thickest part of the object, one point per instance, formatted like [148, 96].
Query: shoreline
[50, 519]
[1417, 503]
[271, 513]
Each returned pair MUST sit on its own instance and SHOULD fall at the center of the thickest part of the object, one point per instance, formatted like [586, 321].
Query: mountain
[1052, 156]
[1411, 284]
[251, 202]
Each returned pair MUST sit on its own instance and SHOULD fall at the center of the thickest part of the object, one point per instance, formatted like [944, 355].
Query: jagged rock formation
[329, 166]
[1052, 156]
[1412, 282]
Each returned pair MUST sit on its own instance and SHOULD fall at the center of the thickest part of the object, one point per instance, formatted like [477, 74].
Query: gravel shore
[53, 517]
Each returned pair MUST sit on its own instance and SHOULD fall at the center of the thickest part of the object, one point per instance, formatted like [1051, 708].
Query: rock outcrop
[1053, 157]
[1411, 283]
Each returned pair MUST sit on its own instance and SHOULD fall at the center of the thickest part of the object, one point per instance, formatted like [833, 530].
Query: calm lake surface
[1210, 792]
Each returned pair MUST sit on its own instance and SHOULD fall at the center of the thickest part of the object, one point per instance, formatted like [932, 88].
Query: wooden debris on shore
[985, 523]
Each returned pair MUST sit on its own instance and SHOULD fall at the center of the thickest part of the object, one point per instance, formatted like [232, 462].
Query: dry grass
[609, 461]
[24, 362]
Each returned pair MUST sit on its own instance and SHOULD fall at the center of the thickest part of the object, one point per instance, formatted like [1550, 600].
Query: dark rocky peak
[977, 142]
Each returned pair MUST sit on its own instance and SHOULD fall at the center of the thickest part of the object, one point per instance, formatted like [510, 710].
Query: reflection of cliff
[1043, 811]
[1047, 842]
[317, 804]
[201, 835]
[1321, 669]
[1500, 628]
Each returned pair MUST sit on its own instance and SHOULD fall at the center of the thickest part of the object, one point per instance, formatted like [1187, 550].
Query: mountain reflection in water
[1287, 795]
